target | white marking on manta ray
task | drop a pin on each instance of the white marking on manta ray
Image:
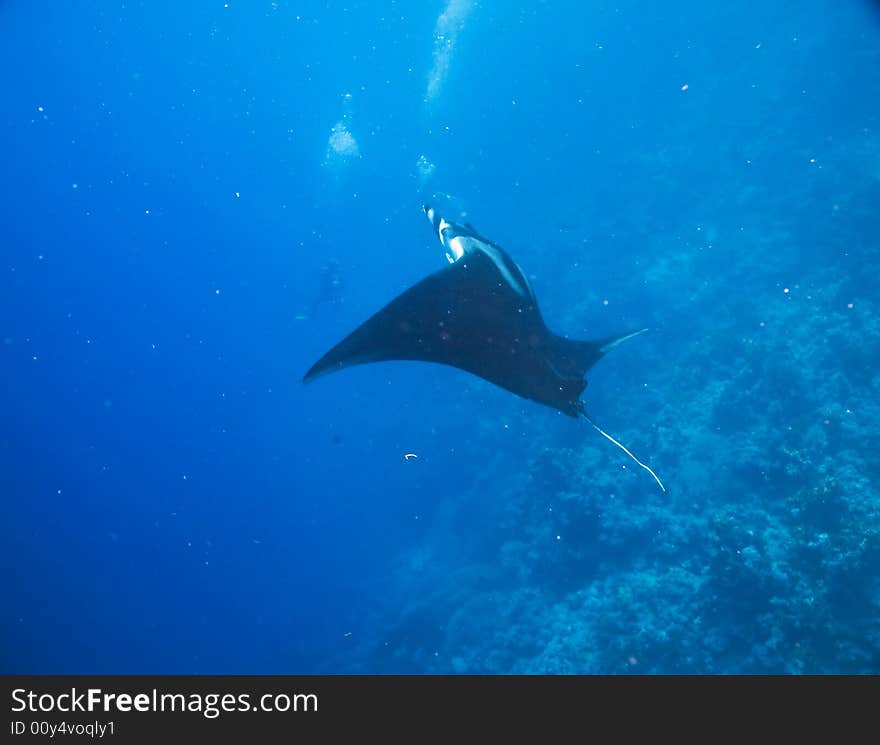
(498, 259)
(443, 225)
(462, 244)
(456, 245)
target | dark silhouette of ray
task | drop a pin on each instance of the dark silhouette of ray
(478, 314)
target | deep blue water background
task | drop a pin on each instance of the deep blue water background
(174, 500)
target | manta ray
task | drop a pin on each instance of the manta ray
(478, 314)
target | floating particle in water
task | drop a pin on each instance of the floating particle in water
(410, 456)
(685, 86)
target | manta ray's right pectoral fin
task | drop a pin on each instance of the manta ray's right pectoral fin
(579, 356)
(606, 345)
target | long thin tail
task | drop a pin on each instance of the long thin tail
(621, 446)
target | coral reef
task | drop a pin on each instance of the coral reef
(762, 407)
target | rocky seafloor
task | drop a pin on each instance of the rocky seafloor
(758, 399)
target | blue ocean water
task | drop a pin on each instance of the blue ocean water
(199, 199)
